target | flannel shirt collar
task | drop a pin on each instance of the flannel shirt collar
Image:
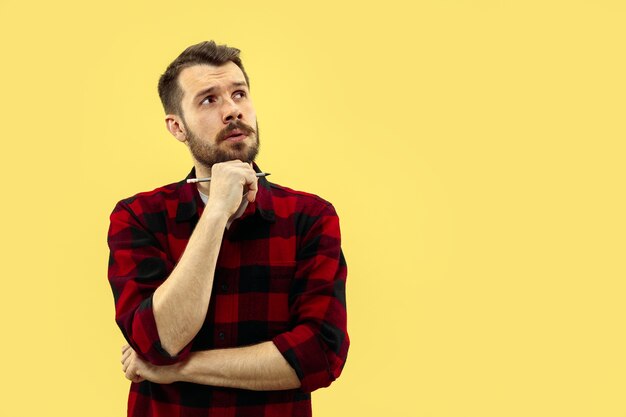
(190, 202)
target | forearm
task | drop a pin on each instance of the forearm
(258, 367)
(180, 304)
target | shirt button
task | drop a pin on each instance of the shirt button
(224, 287)
(221, 335)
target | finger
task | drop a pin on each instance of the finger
(131, 370)
(253, 187)
(125, 348)
(126, 363)
(126, 354)
(251, 196)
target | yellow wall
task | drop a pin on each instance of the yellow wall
(473, 149)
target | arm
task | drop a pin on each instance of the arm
(317, 346)
(309, 356)
(180, 304)
(259, 367)
(159, 316)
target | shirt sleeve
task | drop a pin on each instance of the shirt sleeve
(317, 346)
(137, 266)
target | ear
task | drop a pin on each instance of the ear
(176, 127)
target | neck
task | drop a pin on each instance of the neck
(203, 172)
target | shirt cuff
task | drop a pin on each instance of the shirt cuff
(307, 356)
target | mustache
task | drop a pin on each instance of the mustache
(239, 125)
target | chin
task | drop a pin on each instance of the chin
(243, 152)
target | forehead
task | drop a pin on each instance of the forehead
(202, 76)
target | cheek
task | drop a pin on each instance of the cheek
(252, 119)
(209, 125)
(248, 110)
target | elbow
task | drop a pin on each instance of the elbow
(141, 333)
(158, 355)
(170, 350)
(173, 347)
(154, 353)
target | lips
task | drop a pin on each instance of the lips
(235, 135)
(234, 132)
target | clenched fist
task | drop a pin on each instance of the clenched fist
(229, 181)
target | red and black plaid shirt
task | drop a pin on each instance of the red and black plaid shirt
(280, 276)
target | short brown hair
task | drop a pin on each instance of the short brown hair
(202, 53)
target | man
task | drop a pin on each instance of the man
(230, 293)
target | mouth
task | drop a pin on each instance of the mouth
(236, 136)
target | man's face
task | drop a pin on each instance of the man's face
(219, 119)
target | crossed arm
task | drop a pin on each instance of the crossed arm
(257, 367)
(309, 356)
(180, 305)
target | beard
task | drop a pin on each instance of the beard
(209, 154)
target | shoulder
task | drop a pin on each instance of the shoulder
(153, 201)
(287, 200)
(311, 217)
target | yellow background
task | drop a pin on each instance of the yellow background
(473, 149)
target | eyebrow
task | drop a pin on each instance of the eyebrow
(212, 89)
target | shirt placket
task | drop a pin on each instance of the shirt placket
(225, 335)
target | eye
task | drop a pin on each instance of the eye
(239, 94)
(208, 100)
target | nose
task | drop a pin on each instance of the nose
(230, 111)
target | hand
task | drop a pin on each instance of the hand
(138, 370)
(229, 180)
